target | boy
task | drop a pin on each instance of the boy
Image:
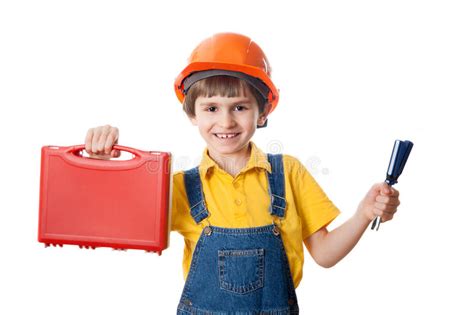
(244, 215)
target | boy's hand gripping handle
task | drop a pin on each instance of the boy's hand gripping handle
(401, 151)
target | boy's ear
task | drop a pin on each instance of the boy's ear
(262, 118)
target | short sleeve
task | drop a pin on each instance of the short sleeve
(179, 204)
(314, 207)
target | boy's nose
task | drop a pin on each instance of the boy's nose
(226, 120)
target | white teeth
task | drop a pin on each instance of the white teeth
(225, 135)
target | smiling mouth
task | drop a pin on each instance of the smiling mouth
(226, 135)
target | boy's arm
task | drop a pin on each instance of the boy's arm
(328, 248)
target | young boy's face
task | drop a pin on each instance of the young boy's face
(227, 123)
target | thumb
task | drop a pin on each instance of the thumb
(115, 153)
(386, 189)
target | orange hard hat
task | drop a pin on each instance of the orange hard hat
(232, 55)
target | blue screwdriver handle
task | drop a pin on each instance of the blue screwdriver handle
(400, 153)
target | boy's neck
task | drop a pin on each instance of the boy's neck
(232, 163)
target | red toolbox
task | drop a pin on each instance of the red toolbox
(123, 204)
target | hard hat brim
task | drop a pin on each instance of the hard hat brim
(254, 72)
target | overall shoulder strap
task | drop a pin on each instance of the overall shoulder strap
(276, 185)
(193, 186)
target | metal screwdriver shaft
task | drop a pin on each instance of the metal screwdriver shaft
(401, 151)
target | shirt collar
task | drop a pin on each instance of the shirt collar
(258, 159)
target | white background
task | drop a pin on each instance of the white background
(353, 76)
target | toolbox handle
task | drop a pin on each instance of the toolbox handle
(71, 154)
(77, 148)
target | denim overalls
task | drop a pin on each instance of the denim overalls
(239, 270)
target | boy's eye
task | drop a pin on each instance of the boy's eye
(214, 108)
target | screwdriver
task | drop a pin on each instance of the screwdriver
(401, 151)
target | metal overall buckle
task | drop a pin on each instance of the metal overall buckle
(207, 228)
(276, 227)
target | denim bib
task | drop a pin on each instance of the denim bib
(239, 270)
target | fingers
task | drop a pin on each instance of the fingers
(88, 141)
(100, 140)
(389, 200)
(386, 217)
(383, 208)
(386, 206)
(383, 201)
(109, 142)
(95, 139)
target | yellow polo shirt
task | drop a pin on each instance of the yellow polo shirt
(243, 201)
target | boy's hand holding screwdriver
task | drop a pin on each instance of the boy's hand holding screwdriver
(381, 200)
